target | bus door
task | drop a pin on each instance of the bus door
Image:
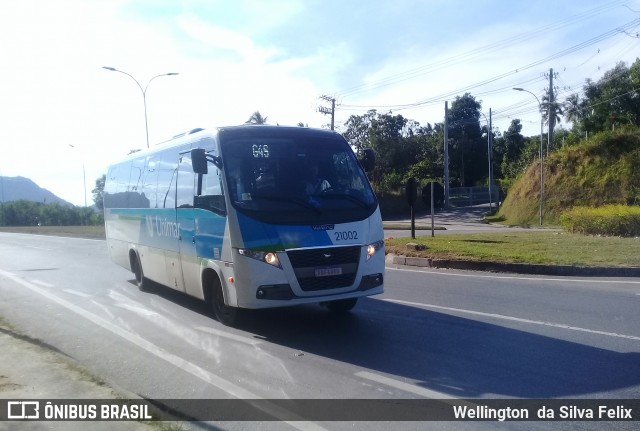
(189, 266)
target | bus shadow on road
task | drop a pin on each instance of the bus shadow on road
(456, 356)
(453, 355)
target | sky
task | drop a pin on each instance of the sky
(64, 117)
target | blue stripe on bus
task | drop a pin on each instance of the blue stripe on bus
(159, 228)
(259, 235)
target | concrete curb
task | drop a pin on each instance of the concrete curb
(518, 268)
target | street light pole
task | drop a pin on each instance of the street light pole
(144, 93)
(84, 183)
(541, 151)
(489, 133)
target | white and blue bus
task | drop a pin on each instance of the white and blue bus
(249, 217)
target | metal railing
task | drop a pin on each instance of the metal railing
(467, 196)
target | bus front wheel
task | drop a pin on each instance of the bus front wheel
(222, 312)
(341, 305)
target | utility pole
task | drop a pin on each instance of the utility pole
(489, 151)
(330, 111)
(446, 155)
(551, 111)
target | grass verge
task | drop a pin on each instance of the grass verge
(96, 232)
(554, 248)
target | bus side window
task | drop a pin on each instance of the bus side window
(186, 177)
(137, 198)
(122, 176)
(167, 169)
(212, 193)
(150, 181)
(110, 187)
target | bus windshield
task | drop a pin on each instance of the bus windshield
(296, 180)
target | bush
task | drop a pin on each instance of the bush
(609, 220)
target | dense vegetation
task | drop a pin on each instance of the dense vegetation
(612, 220)
(604, 170)
(29, 213)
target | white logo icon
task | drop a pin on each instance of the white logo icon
(23, 410)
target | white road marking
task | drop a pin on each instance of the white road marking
(77, 293)
(36, 247)
(138, 310)
(42, 283)
(234, 337)
(513, 319)
(403, 386)
(175, 360)
(516, 277)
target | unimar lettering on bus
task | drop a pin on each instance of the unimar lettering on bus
(161, 226)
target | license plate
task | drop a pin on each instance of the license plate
(325, 272)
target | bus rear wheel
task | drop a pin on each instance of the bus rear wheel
(225, 314)
(136, 268)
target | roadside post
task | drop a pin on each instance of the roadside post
(433, 233)
(412, 194)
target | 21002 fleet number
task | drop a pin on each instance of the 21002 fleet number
(346, 235)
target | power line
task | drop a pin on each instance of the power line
(483, 50)
(442, 97)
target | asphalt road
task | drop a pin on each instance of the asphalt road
(433, 334)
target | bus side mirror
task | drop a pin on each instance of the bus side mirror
(199, 161)
(368, 160)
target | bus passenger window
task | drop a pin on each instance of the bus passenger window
(167, 170)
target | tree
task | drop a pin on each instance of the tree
(358, 130)
(98, 192)
(614, 100)
(513, 143)
(429, 162)
(256, 118)
(556, 111)
(573, 109)
(404, 149)
(467, 145)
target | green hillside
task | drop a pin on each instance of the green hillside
(603, 170)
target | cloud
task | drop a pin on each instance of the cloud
(214, 39)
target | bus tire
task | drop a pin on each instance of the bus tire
(136, 267)
(341, 306)
(224, 313)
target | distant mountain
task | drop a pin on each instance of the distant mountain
(17, 188)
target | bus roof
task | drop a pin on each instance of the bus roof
(240, 131)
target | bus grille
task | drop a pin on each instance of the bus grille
(307, 264)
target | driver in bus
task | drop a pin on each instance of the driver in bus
(315, 184)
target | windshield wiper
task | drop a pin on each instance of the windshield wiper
(290, 199)
(351, 198)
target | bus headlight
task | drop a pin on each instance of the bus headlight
(373, 248)
(269, 257)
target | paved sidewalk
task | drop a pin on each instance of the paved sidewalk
(454, 220)
(30, 370)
